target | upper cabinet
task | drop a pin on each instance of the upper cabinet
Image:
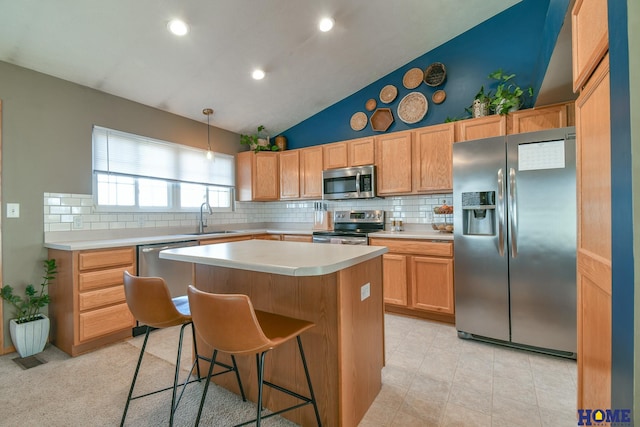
(393, 160)
(311, 172)
(433, 158)
(357, 152)
(290, 175)
(534, 119)
(482, 127)
(257, 176)
(590, 38)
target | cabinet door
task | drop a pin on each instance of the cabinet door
(335, 155)
(535, 119)
(393, 161)
(482, 127)
(265, 180)
(593, 167)
(433, 158)
(361, 152)
(290, 174)
(432, 284)
(590, 38)
(394, 279)
(311, 172)
(297, 238)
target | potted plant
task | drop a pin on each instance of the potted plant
(508, 96)
(258, 141)
(30, 328)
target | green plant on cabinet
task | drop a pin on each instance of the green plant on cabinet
(258, 141)
(508, 96)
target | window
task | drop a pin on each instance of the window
(134, 173)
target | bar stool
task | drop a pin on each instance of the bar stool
(240, 330)
(151, 304)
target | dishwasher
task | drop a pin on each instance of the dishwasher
(177, 274)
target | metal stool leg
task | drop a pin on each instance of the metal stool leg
(135, 376)
(206, 386)
(195, 350)
(235, 368)
(260, 361)
(306, 372)
(177, 375)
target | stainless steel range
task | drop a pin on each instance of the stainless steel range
(351, 227)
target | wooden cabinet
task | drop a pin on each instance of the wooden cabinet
(356, 152)
(418, 277)
(311, 172)
(593, 137)
(297, 238)
(257, 176)
(534, 119)
(88, 307)
(590, 38)
(266, 236)
(225, 239)
(482, 127)
(433, 158)
(290, 174)
(393, 160)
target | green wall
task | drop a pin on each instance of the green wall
(46, 147)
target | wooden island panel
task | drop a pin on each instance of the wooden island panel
(344, 351)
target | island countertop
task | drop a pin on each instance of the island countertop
(277, 257)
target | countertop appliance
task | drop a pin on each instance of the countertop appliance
(514, 203)
(351, 227)
(349, 183)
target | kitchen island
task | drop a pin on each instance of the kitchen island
(337, 287)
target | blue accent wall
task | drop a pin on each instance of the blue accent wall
(519, 40)
(622, 270)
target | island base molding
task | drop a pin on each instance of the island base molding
(344, 351)
(420, 314)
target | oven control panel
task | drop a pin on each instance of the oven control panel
(359, 217)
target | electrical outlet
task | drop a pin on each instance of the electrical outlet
(77, 222)
(13, 210)
(140, 221)
(365, 291)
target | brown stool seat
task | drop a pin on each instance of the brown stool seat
(151, 304)
(229, 323)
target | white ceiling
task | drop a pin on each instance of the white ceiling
(122, 47)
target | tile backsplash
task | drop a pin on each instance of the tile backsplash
(77, 212)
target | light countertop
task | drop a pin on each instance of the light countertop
(285, 258)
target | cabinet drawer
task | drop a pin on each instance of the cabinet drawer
(101, 298)
(418, 247)
(102, 259)
(297, 238)
(102, 278)
(104, 321)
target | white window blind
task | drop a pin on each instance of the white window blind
(127, 154)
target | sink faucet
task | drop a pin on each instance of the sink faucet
(201, 225)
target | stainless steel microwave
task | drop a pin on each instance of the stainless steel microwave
(349, 183)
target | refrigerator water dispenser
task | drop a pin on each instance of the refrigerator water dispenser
(478, 213)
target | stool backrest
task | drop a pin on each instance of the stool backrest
(227, 322)
(150, 302)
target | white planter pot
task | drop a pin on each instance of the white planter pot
(29, 338)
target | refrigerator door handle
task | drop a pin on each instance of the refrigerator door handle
(513, 213)
(500, 209)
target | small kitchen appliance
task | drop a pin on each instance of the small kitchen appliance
(351, 227)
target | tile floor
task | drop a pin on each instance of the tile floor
(433, 378)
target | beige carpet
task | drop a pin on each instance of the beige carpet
(91, 390)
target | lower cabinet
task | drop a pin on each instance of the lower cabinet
(418, 277)
(88, 308)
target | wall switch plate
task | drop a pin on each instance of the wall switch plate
(13, 210)
(77, 222)
(365, 291)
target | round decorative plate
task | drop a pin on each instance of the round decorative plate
(412, 108)
(435, 74)
(388, 93)
(413, 78)
(358, 121)
(439, 96)
(370, 104)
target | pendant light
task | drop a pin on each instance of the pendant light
(208, 112)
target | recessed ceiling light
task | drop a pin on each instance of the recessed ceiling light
(258, 74)
(178, 27)
(326, 24)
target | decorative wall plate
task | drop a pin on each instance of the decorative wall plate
(413, 78)
(370, 104)
(388, 93)
(412, 108)
(358, 121)
(439, 96)
(381, 119)
(435, 74)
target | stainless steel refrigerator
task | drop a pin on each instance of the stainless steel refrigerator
(515, 239)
